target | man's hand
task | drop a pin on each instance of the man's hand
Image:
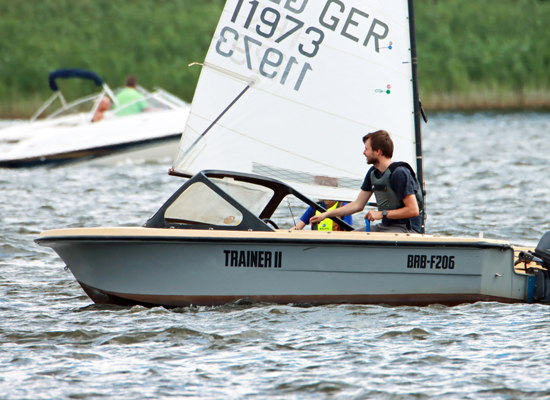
(373, 215)
(317, 218)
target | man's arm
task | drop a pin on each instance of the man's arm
(409, 211)
(351, 208)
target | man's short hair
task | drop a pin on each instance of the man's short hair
(380, 140)
(131, 81)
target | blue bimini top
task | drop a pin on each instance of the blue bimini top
(73, 73)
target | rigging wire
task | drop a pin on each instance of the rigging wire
(291, 213)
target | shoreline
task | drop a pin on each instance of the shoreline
(471, 101)
(487, 100)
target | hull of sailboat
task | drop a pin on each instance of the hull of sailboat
(153, 267)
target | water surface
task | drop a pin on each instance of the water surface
(484, 172)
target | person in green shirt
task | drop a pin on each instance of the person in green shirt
(130, 95)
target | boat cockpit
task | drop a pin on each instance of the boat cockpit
(223, 200)
(82, 110)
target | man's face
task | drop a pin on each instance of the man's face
(370, 154)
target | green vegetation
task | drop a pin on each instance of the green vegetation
(152, 39)
(472, 53)
(483, 53)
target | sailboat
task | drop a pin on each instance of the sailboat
(287, 91)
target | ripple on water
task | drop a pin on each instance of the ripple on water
(415, 333)
(56, 344)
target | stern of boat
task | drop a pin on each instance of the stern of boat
(536, 264)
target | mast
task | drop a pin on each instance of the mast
(416, 105)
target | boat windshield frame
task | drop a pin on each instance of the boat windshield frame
(68, 106)
(250, 221)
(164, 99)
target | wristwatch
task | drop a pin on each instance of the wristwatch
(384, 213)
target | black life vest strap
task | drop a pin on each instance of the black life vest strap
(396, 164)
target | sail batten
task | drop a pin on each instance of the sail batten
(324, 73)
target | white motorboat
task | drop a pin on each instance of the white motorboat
(66, 134)
(286, 93)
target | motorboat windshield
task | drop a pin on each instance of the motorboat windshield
(154, 101)
(58, 107)
(220, 200)
(84, 105)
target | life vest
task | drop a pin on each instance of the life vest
(327, 224)
(386, 198)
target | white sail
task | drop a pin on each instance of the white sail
(290, 87)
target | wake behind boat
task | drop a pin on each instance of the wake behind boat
(286, 93)
(67, 134)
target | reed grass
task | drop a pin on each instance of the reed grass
(487, 98)
(483, 53)
(472, 54)
(152, 39)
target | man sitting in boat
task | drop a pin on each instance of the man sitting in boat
(130, 94)
(394, 185)
(104, 105)
(326, 224)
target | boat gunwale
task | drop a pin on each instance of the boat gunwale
(364, 241)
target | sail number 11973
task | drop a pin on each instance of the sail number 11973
(272, 58)
(270, 30)
(430, 262)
